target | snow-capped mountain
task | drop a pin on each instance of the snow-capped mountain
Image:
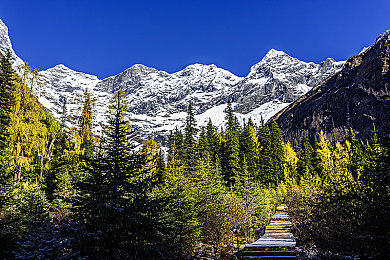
(5, 44)
(158, 100)
(60, 83)
(154, 92)
(282, 77)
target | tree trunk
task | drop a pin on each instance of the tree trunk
(20, 169)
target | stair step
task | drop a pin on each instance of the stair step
(269, 257)
(269, 253)
(270, 248)
(277, 243)
(278, 227)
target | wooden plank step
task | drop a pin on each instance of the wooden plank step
(268, 257)
(280, 223)
(271, 248)
(281, 214)
(269, 252)
(280, 218)
(278, 231)
(277, 227)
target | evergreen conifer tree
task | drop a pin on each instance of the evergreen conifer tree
(6, 184)
(306, 153)
(6, 88)
(266, 171)
(250, 148)
(123, 218)
(231, 164)
(356, 157)
(278, 152)
(85, 125)
(190, 132)
(213, 140)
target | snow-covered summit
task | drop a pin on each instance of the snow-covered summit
(158, 100)
(271, 54)
(279, 76)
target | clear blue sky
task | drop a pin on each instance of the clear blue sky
(106, 37)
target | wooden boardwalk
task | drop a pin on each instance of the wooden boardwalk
(277, 243)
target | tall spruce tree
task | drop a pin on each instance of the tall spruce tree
(306, 153)
(250, 148)
(190, 132)
(356, 156)
(231, 162)
(123, 218)
(176, 152)
(103, 198)
(6, 88)
(266, 171)
(213, 140)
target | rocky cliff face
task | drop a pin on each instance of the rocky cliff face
(358, 96)
(158, 100)
(5, 44)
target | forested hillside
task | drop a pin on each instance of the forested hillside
(69, 194)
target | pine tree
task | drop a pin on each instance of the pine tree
(211, 198)
(189, 140)
(6, 89)
(103, 195)
(231, 162)
(175, 152)
(249, 148)
(123, 216)
(161, 167)
(306, 154)
(376, 150)
(356, 156)
(213, 140)
(85, 125)
(266, 171)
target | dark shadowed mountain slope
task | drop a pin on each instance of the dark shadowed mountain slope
(357, 97)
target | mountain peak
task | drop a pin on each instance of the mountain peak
(5, 44)
(140, 68)
(274, 53)
(61, 67)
